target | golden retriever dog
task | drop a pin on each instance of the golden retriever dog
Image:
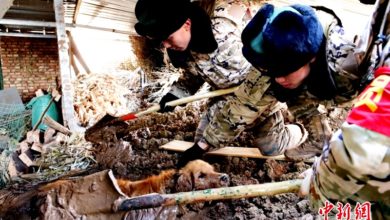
(196, 175)
(93, 196)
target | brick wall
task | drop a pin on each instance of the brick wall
(29, 64)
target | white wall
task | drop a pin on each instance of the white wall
(102, 51)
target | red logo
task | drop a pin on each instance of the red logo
(361, 211)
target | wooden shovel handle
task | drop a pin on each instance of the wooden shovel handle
(181, 101)
(235, 192)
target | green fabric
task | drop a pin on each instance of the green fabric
(39, 105)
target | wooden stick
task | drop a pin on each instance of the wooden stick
(47, 120)
(236, 192)
(189, 99)
(201, 96)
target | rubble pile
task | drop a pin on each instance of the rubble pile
(99, 94)
(49, 154)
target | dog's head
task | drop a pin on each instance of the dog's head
(199, 175)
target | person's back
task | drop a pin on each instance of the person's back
(354, 169)
(299, 57)
(211, 45)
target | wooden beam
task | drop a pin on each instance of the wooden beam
(4, 6)
(76, 11)
(76, 52)
(66, 78)
(73, 63)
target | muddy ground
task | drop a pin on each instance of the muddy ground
(131, 151)
(145, 135)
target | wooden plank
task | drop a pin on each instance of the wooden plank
(106, 15)
(106, 23)
(177, 145)
(181, 146)
(249, 152)
(112, 4)
(4, 6)
(96, 7)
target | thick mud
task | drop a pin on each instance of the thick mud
(133, 152)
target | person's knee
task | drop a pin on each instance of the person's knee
(290, 136)
(270, 146)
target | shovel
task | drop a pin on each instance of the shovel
(109, 120)
(154, 200)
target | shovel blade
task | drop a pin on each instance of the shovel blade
(102, 123)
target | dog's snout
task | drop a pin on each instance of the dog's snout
(224, 178)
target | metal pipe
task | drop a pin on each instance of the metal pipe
(53, 24)
(26, 35)
(27, 23)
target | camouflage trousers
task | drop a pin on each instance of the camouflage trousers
(271, 133)
(355, 168)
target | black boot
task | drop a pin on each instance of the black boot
(192, 153)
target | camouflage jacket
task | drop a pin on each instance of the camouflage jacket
(225, 67)
(354, 169)
(359, 155)
(254, 100)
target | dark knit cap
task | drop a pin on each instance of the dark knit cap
(282, 40)
(160, 18)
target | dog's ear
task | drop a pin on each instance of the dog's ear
(184, 182)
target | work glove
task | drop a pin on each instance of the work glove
(167, 98)
(192, 153)
(307, 176)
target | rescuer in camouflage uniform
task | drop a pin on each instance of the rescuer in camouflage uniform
(355, 168)
(301, 55)
(207, 45)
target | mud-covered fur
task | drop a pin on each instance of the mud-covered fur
(196, 175)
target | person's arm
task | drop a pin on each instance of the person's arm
(247, 104)
(358, 155)
(226, 66)
(223, 68)
(352, 161)
(241, 110)
(343, 62)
